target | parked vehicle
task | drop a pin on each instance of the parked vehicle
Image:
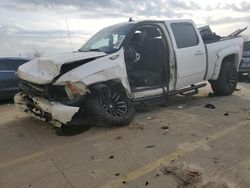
(244, 68)
(8, 79)
(139, 61)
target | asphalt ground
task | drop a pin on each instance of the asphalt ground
(187, 143)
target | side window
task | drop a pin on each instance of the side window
(6, 65)
(17, 63)
(184, 34)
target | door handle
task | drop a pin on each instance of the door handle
(199, 53)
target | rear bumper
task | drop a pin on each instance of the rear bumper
(244, 65)
(45, 110)
(244, 70)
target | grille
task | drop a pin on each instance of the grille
(48, 91)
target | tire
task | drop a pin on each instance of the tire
(109, 107)
(227, 80)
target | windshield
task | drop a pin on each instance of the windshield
(107, 40)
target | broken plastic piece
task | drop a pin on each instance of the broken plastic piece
(210, 106)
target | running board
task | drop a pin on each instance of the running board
(161, 96)
(192, 90)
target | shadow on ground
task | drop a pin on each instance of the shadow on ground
(72, 130)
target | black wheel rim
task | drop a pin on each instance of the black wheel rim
(231, 79)
(113, 103)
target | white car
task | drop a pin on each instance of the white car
(138, 61)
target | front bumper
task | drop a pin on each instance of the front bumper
(45, 110)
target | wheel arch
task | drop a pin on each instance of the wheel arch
(230, 57)
(110, 83)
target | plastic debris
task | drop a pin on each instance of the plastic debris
(210, 106)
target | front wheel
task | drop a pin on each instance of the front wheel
(227, 80)
(110, 107)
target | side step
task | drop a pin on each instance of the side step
(161, 98)
(192, 90)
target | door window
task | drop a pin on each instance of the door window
(11, 65)
(184, 34)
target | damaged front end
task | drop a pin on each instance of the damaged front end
(58, 105)
(60, 96)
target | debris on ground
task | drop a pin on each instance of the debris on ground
(210, 106)
(180, 106)
(237, 89)
(118, 138)
(185, 175)
(216, 160)
(226, 114)
(117, 174)
(150, 146)
(164, 127)
(93, 157)
(111, 157)
(146, 183)
(150, 118)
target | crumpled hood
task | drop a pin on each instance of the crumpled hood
(44, 70)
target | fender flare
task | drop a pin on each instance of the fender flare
(102, 85)
(222, 54)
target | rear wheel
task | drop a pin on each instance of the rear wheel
(227, 80)
(110, 107)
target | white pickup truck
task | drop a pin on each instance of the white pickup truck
(138, 61)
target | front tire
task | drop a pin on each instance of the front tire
(227, 80)
(109, 107)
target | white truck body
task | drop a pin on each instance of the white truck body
(186, 65)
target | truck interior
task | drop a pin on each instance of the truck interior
(148, 67)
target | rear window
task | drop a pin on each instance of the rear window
(247, 46)
(6, 65)
(184, 34)
(17, 63)
(11, 64)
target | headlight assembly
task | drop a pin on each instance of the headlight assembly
(75, 89)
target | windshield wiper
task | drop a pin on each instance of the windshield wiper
(82, 50)
(90, 50)
(95, 50)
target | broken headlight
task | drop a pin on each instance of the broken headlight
(75, 89)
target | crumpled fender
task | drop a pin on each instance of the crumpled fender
(43, 70)
(111, 67)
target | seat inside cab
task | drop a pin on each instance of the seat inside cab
(149, 68)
